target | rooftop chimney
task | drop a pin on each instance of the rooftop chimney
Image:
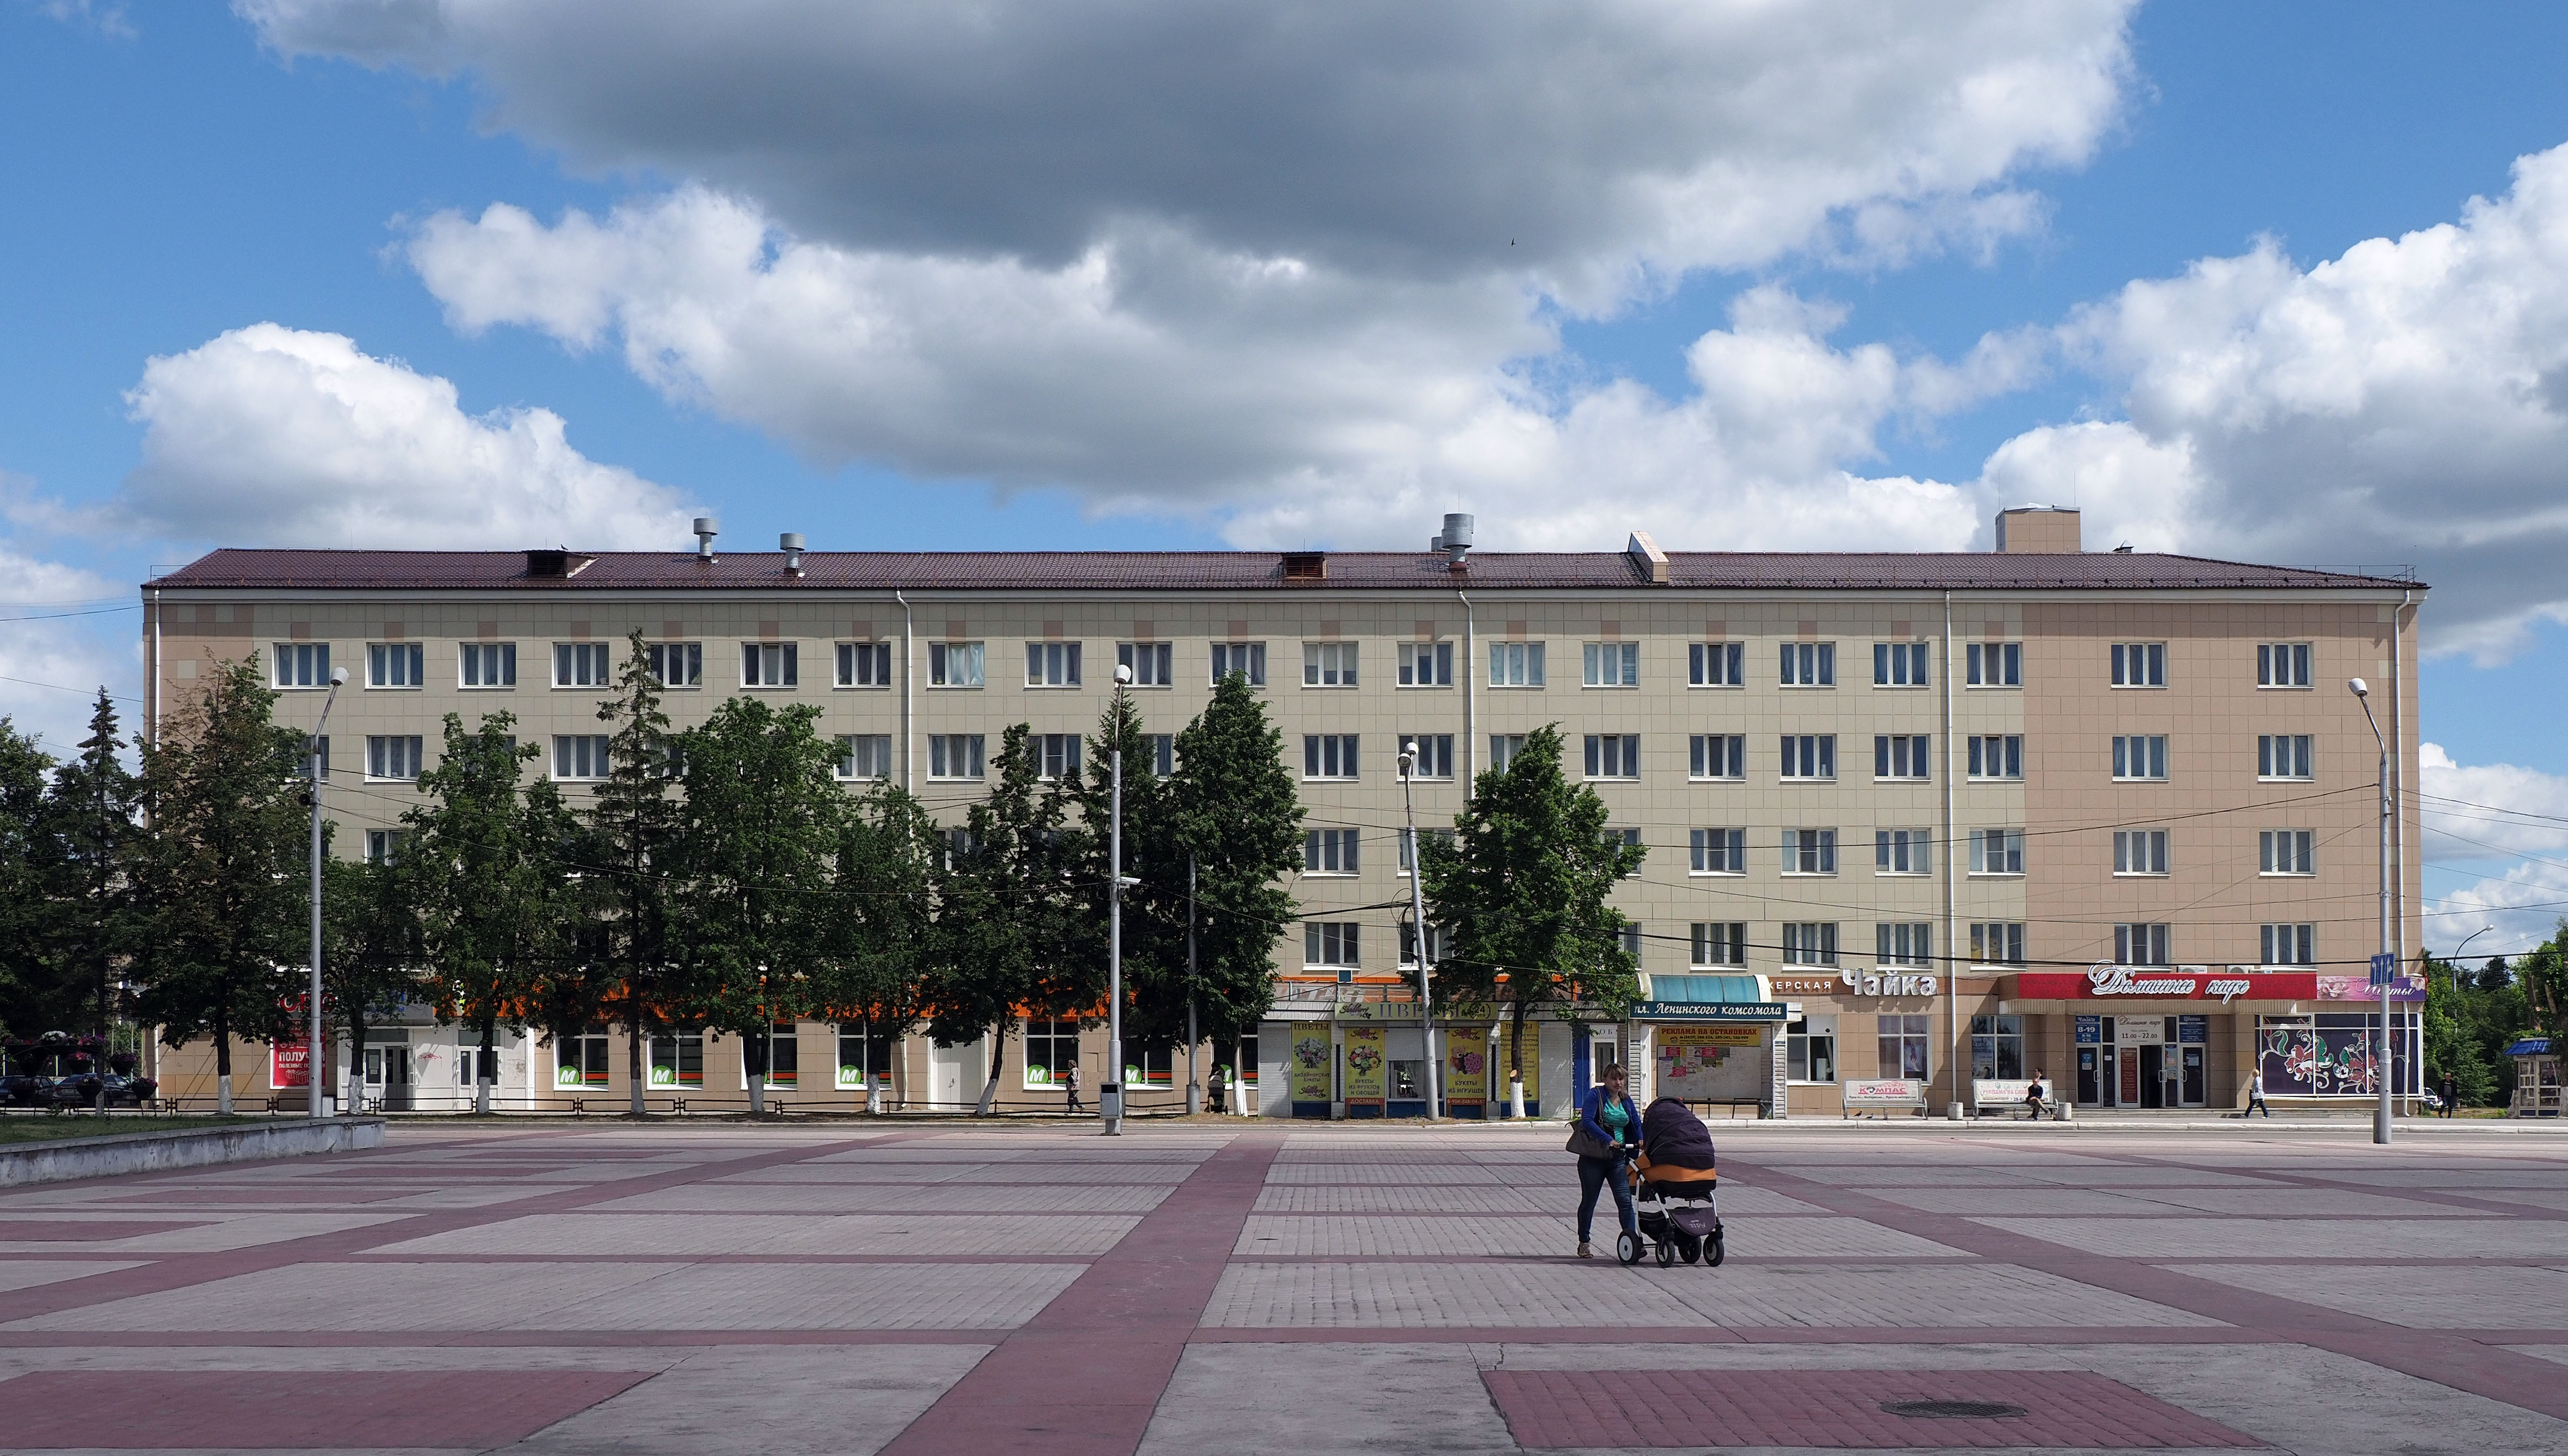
(1646, 556)
(706, 529)
(1455, 541)
(2046, 528)
(557, 564)
(790, 544)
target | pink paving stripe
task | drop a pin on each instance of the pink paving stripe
(1840, 1409)
(1085, 1375)
(219, 1410)
(232, 1195)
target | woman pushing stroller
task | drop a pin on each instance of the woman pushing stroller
(1607, 1134)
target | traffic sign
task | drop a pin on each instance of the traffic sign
(2385, 970)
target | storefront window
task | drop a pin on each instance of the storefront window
(678, 1060)
(1996, 1048)
(863, 1048)
(1810, 1050)
(1052, 1049)
(581, 1060)
(2334, 1055)
(1903, 1048)
(1152, 1069)
(1408, 1080)
(1243, 1072)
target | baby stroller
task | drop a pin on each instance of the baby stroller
(1675, 1190)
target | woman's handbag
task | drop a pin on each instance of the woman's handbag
(1587, 1144)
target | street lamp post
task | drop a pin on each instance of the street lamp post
(1418, 920)
(312, 1047)
(1109, 1095)
(2380, 1116)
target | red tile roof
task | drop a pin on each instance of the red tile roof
(1242, 571)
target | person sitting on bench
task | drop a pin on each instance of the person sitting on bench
(2036, 1097)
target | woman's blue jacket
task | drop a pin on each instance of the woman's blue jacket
(1591, 1115)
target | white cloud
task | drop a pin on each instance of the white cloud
(276, 436)
(2491, 809)
(51, 665)
(1587, 147)
(2404, 403)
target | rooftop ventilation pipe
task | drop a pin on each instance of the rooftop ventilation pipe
(790, 544)
(706, 529)
(1455, 542)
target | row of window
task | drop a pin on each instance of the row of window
(1324, 664)
(677, 1058)
(1711, 945)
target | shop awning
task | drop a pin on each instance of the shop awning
(2530, 1047)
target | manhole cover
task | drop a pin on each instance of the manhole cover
(1952, 1409)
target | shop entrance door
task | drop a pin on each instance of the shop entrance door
(2091, 1076)
(2196, 1086)
(2152, 1077)
(388, 1078)
(2126, 1090)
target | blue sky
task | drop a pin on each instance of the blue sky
(1059, 293)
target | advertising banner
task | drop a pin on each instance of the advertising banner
(1367, 1067)
(1467, 1066)
(1885, 1093)
(2167, 983)
(1712, 1063)
(1313, 1063)
(289, 1064)
(2305, 1061)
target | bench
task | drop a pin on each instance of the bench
(1733, 1104)
(1884, 1093)
(2003, 1095)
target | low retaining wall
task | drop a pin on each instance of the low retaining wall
(147, 1152)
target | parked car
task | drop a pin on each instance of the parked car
(26, 1089)
(83, 1091)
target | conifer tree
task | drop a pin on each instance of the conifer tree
(882, 922)
(479, 866)
(631, 833)
(1232, 809)
(372, 958)
(89, 837)
(1520, 891)
(223, 882)
(28, 1002)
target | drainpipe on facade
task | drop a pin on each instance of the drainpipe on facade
(1952, 949)
(908, 685)
(1471, 700)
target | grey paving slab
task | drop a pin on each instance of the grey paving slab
(729, 1198)
(1317, 1295)
(853, 1173)
(818, 1296)
(232, 1231)
(2465, 1179)
(1381, 1399)
(764, 1400)
(1912, 1297)
(1458, 1175)
(27, 1274)
(2549, 1198)
(2181, 1238)
(2021, 1201)
(2518, 1296)
(1372, 1235)
(1032, 1178)
(647, 1234)
(357, 1297)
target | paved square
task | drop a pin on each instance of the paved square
(1238, 1287)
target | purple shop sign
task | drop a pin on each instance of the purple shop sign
(2360, 988)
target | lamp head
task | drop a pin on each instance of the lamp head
(1408, 759)
(2358, 687)
(338, 676)
(1122, 675)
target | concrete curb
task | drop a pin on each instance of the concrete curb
(145, 1152)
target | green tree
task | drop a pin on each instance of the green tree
(2543, 977)
(29, 997)
(631, 832)
(758, 830)
(1153, 939)
(1232, 809)
(2451, 1048)
(89, 837)
(1522, 892)
(1013, 930)
(371, 951)
(477, 865)
(882, 922)
(222, 881)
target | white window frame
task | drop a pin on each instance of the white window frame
(1163, 753)
(1996, 758)
(1331, 945)
(1330, 664)
(1903, 852)
(396, 666)
(1809, 942)
(383, 846)
(2143, 942)
(300, 666)
(1503, 748)
(1894, 752)
(2286, 751)
(1444, 836)
(1613, 758)
(1900, 664)
(2139, 664)
(1803, 1038)
(2284, 665)
(1610, 663)
(1997, 943)
(1717, 664)
(1153, 663)
(2286, 852)
(1245, 658)
(865, 666)
(1904, 942)
(1054, 665)
(1434, 753)
(569, 749)
(1810, 758)
(1426, 665)
(2287, 942)
(1332, 853)
(1517, 665)
(958, 666)
(863, 757)
(1713, 944)
(1056, 757)
(572, 659)
(492, 661)
(393, 758)
(1727, 752)
(957, 757)
(2140, 852)
(1331, 757)
(1997, 852)
(679, 667)
(1718, 851)
(1809, 852)
(1809, 665)
(771, 665)
(1993, 665)
(2140, 759)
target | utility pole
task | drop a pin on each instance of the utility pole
(312, 1048)
(1417, 912)
(1194, 1084)
(2381, 1116)
(1109, 1095)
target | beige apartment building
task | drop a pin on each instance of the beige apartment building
(1914, 821)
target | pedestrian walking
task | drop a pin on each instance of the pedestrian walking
(1071, 1082)
(2451, 1093)
(1220, 1088)
(1607, 1133)
(2256, 1095)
